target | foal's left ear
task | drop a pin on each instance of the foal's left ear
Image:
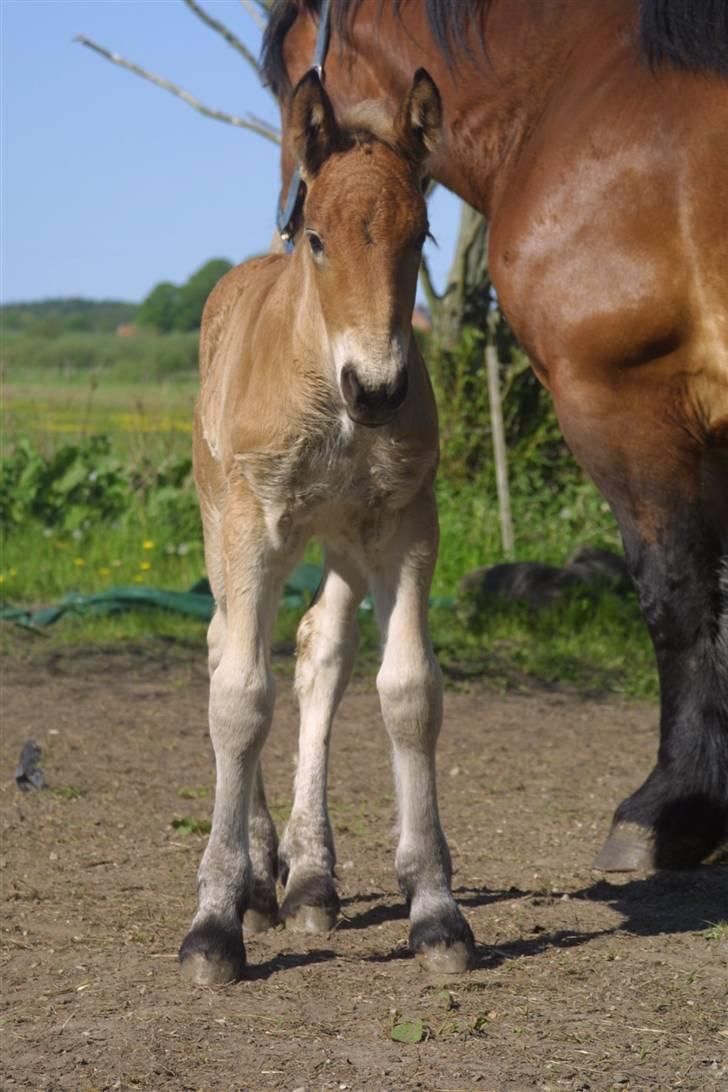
(312, 125)
(419, 122)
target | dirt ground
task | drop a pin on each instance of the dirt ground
(583, 982)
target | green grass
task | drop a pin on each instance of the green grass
(586, 644)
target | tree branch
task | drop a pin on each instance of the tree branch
(254, 14)
(224, 32)
(428, 287)
(253, 124)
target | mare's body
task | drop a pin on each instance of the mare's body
(601, 161)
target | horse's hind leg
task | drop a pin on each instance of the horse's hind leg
(262, 909)
(668, 487)
(327, 642)
(410, 692)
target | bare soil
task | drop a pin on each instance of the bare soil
(583, 983)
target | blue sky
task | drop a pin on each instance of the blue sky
(110, 185)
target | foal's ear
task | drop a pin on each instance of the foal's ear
(419, 122)
(313, 129)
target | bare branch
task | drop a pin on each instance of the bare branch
(428, 287)
(255, 125)
(225, 32)
(254, 14)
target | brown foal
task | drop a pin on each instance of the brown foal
(316, 417)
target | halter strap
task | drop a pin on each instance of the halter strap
(284, 216)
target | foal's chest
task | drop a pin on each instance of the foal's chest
(344, 477)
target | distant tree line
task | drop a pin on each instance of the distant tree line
(178, 307)
(50, 318)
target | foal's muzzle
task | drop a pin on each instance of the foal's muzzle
(372, 406)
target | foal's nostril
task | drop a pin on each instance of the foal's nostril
(398, 392)
(372, 404)
(351, 388)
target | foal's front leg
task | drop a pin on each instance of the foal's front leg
(262, 909)
(241, 708)
(410, 691)
(327, 642)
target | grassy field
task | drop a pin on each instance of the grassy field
(153, 538)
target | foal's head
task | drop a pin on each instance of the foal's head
(364, 224)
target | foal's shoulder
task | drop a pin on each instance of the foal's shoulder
(255, 270)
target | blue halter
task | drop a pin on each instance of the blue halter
(284, 216)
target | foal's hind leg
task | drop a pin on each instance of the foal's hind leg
(327, 642)
(668, 486)
(410, 691)
(262, 910)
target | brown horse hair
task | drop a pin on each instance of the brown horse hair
(686, 34)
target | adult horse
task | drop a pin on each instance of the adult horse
(593, 135)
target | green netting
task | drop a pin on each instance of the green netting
(195, 603)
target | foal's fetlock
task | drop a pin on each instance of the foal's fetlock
(213, 952)
(311, 904)
(440, 937)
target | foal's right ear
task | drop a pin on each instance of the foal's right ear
(312, 125)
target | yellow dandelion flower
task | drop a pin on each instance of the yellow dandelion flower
(61, 545)
(145, 565)
(13, 572)
(148, 544)
(138, 579)
(104, 572)
(2, 579)
(79, 561)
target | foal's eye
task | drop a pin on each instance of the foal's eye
(314, 241)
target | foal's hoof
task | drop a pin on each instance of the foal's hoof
(311, 905)
(447, 958)
(444, 945)
(259, 921)
(629, 848)
(311, 919)
(212, 955)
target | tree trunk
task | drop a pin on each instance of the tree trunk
(466, 299)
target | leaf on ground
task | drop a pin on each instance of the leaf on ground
(187, 824)
(408, 1031)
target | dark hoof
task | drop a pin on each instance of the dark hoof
(212, 954)
(445, 944)
(629, 848)
(262, 912)
(311, 905)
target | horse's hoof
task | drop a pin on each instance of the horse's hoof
(447, 958)
(311, 904)
(443, 943)
(629, 848)
(212, 955)
(311, 919)
(258, 921)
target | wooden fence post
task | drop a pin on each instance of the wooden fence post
(499, 450)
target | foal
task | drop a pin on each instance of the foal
(316, 416)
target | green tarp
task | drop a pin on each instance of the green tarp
(195, 603)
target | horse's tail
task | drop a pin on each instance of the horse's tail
(688, 34)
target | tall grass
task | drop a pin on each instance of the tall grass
(140, 391)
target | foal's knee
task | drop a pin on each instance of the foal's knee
(241, 704)
(410, 692)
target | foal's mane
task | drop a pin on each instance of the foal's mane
(688, 34)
